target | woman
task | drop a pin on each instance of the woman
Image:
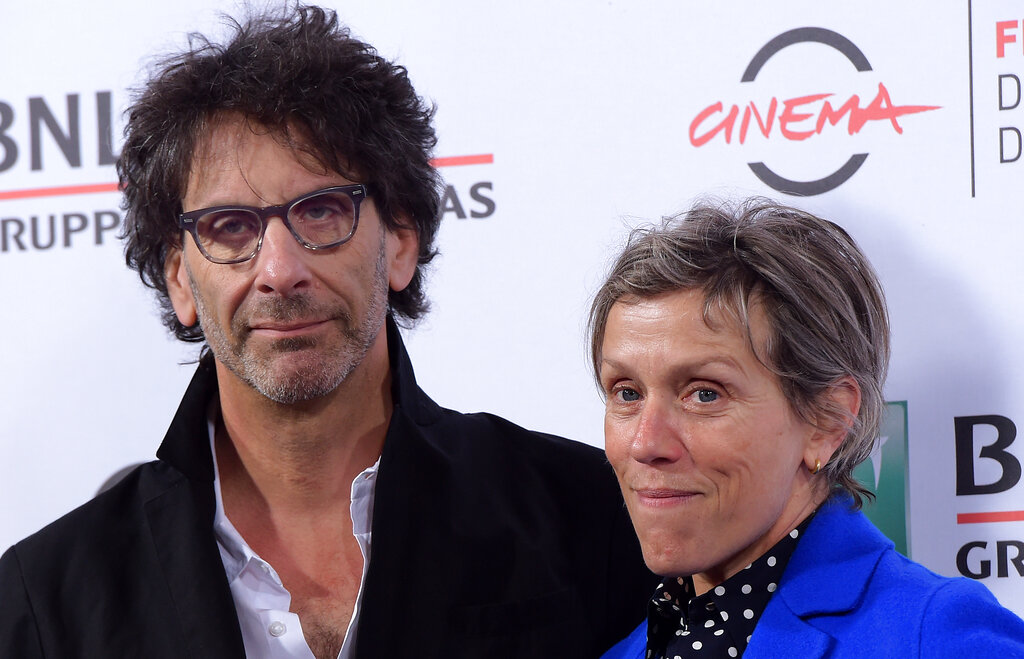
(742, 356)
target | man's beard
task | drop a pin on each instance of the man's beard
(313, 375)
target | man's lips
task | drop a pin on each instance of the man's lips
(279, 328)
(663, 496)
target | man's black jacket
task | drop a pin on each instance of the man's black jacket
(488, 541)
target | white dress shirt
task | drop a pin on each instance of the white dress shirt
(269, 629)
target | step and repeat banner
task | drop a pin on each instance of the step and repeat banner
(561, 126)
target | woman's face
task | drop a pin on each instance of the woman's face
(712, 462)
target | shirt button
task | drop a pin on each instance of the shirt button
(277, 628)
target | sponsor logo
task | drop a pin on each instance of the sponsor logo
(52, 140)
(996, 41)
(803, 117)
(885, 474)
(987, 465)
(474, 199)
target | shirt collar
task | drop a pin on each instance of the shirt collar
(724, 616)
(235, 551)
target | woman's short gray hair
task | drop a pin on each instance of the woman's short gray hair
(821, 297)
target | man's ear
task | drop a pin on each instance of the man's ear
(843, 397)
(179, 288)
(403, 252)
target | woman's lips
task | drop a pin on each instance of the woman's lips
(659, 496)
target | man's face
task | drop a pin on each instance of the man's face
(292, 323)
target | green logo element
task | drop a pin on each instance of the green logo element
(885, 474)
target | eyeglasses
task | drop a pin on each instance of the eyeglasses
(318, 220)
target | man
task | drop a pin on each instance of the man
(281, 202)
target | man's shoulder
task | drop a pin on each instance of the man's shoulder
(483, 451)
(490, 437)
(94, 526)
(122, 575)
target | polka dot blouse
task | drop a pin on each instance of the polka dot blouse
(720, 622)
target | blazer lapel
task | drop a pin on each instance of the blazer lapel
(827, 575)
(781, 633)
(191, 565)
(180, 517)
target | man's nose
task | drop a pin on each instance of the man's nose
(281, 262)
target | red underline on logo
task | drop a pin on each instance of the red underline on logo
(64, 190)
(452, 161)
(981, 518)
(58, 191)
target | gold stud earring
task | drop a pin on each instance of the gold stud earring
(817, 467)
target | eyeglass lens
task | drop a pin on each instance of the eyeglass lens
(317, 221)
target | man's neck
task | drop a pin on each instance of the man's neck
(301, 459)
(286, 474)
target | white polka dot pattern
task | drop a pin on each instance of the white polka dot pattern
(721, 621)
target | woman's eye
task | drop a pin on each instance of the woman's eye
(707, 395)
(628, 395)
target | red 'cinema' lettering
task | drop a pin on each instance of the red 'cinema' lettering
(765, 126)
(726, 125)
(790, 116)
(1003, 36)
(880, 108)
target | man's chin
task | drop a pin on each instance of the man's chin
(294, 344)
(294, 388)
(291, 373)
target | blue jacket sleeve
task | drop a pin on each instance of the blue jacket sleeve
(963, 619)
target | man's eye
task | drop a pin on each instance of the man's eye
(323, 208)
(228, 225)
(321, 212)
(707, 395)
(232, 226)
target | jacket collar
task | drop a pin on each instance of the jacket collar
(833, 563)
(186, 445)
(405, 393)
(828, 574)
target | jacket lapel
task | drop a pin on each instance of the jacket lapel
(410, 527)
(180, 518)
(191, 565)
(827, 575)
(781, 633)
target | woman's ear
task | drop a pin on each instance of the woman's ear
(842, 398)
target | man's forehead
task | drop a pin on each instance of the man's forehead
(233, 150)
(225, 140)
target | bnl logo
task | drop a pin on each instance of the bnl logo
(1000, 472)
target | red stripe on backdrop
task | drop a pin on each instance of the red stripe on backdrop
(59, 191)
(481, 159)
(451, 161)
(980, 518)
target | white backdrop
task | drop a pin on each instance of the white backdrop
(586, 111)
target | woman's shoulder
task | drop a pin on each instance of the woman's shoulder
(943, 616)
(955, 616)
(846, 580)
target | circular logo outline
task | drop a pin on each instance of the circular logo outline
(860, 62)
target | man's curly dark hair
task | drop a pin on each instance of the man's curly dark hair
(301, 75)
